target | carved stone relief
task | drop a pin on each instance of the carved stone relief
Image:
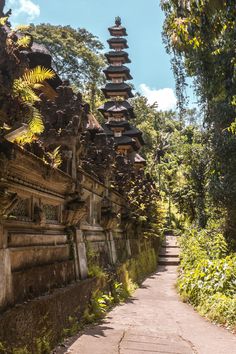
(4, 164)
(50, 212)
(39, 215)
(109, 218)
(8, 202)
(75, 210)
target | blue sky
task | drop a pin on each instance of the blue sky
(143, 19)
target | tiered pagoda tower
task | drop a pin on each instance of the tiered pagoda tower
(117, 110)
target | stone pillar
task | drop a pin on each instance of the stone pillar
(5, 271)
(81, 253)
(128, 248)
(112, 247)
(73, 163)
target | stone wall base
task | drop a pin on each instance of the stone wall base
(43, 320)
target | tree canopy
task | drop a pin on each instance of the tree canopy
(76, 55)
(200, 36)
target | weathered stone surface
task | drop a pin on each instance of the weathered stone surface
(25, 286)
(49, 314)
(5, 278)
(24, 257)
(28, 239)
(82, 254)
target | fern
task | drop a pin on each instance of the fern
(36, 122)
(3, 21)
(54, 158)
(24, 90)
(24, 41)
(24, 87)
(38, 75)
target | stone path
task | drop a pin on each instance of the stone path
(154, 321)
(169, 252)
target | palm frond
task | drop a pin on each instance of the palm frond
(3, 20)
(54, 158)
(24, 41)
(38, 75)
(37, 86)
(35, 121)
(23, 90)
(27, 138)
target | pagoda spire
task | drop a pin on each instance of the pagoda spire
(118, 21)
(117, 110)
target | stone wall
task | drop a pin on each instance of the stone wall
(44, 319)
(43, 244)
(39, 249)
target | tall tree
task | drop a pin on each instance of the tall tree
(76, 55)
(200, 35)
(177, 159)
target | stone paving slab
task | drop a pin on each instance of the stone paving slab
(151, 344)
(154, 320)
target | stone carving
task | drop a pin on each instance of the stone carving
(2, 5)
(35, 147)
(50, 212)
(75, 210)
(39, 215)
(97, 154)
(21, 209)
(65, 119)
(123, 170)
(2, 13)
(67, 156)
(7, 153)
(128, 220)
(8, 201)
(67, 115)
(4, 163)
(109, 219)
(13, 62)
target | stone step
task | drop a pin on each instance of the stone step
(169, 256)
(170, 243)
(169, 250)
(175, 255)
(171, 240)
(169, 246)
(168, 261)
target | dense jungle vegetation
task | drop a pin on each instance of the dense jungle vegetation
(200, 37)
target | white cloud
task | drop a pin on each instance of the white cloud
(165, 98)
(27, 7)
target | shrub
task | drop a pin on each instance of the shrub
(207, 277)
